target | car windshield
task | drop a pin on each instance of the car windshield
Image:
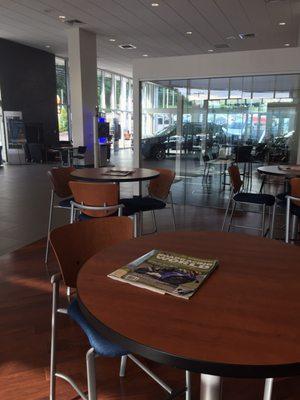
(163, 132)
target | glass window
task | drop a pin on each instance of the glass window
(219, 88)
(62, 98)
(107, 88)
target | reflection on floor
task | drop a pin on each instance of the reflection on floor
(25, 295)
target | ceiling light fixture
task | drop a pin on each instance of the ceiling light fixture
(154, 4)
(210, 50)
(112, 40)
(287, 44)
(281, 23)
(189, 33)
(47, 46)
(62, 17)
(145, 55)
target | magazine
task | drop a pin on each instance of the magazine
(166, 272)
(118, 172)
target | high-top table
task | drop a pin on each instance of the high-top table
(243, 322)
(274, 170)
(102, 175)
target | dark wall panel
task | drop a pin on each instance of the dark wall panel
(28, 84)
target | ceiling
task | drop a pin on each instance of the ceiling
(155, 31)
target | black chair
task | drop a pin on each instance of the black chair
(239, 196)
(36, 152)
(243, 155)
(80, 153)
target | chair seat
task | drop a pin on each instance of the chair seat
(102, 346)
(139, 204)
(255, 198)
(66, 202)
(281, 202)
(85, 217)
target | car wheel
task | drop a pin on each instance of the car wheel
(158, 153)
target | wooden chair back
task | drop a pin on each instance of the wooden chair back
(97, 195)
(235, 178)
(60, 178)
(295, 190)
(74, 244)
(160, 187)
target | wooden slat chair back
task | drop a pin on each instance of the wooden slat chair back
(74, 244)
(60, 178)
(160, 186)
(235, 178)
(97, 195)
(295, 190)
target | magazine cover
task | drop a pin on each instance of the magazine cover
(166, 272)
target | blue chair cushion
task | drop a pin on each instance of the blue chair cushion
(255, 198)
(138, 203)
(102, 346)
(66, 202)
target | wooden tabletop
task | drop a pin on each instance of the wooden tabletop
(274, 170)
(100, 175)
(243, 322)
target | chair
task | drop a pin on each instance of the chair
(158, 194)
(293, 208)
(243, 154)
(238, 196)
(73, 245)
(95, 200)
(80, 154)
(59, 178)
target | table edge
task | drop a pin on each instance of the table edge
(198, 366)
(113, 178)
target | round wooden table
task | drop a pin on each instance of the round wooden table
(274, 170)
(102, 175)
(243, 322)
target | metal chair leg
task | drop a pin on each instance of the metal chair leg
(294, 227)
(49, 225)
(135, 225)
(226, 214)
(91, 376)
(268, 389)
(123, 366)
(188, 392)
(263, 221)
(173, 211)
(231, 215)
(287, 220)
(55, 293)
(154, 220)
(273, 221)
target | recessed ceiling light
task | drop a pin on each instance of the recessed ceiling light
(62, 17)
(145, 55)
(210, 50)
(154, 4)
(281, 23)
(287, 44)
(47, 46)
(112, 40)
(189, 33)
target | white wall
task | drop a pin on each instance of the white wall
(240, 63)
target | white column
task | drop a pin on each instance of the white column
(82, 52)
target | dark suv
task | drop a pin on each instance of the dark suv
(158, 146)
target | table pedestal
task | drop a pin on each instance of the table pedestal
(210, 387)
